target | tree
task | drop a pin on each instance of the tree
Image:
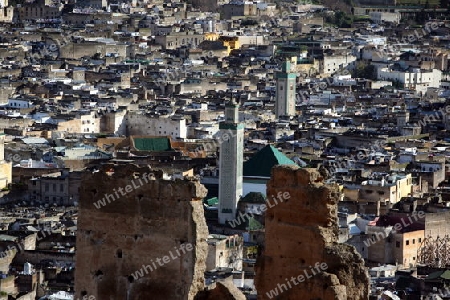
(364, 70)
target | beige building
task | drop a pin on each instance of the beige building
(8, 14)
(113, 122)
(103, 47)
(5, 166)
(228, 11)
(389, 189)
(175, 40)
(384, 245)
(34, 11)
(224, 252)
(405, 247)
(52, 189)
(82, 123)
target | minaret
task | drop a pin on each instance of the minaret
(286, 89)
(230, 162)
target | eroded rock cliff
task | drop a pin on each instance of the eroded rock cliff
(302, 259)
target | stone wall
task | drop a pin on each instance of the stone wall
(436, 224)
(301, 234)
(155, 218)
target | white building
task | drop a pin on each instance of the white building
(344, 80)
(333, 63)
(139, 124)
(371, 40)
(416, 79)
(19, 103)
(379, 17)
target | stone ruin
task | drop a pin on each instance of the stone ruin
(153, 216)
(301, 233)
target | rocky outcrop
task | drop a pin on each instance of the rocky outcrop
(224, 291)
(146, 240)
(302, 259)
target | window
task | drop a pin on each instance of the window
(420, 240)
(47, 187)
(61, 187)
(407, 242)
(414, 241)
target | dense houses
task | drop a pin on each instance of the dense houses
(224, 91)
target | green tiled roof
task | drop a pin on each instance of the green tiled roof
(253, 224)
(212, 201)
(262, 162)
(152, 144)
(249, 223)
(446, 275)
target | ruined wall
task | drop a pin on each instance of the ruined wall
(301, 232)
(117, 239)
(223, 290)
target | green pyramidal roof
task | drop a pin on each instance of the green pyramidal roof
(152, 144)
(446, 275)
(262, 162)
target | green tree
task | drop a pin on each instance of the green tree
(364, 70)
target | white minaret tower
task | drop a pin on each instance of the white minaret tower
(230, 162)
(286, 89)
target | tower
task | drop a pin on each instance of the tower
(230, 162)
(286, 89)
